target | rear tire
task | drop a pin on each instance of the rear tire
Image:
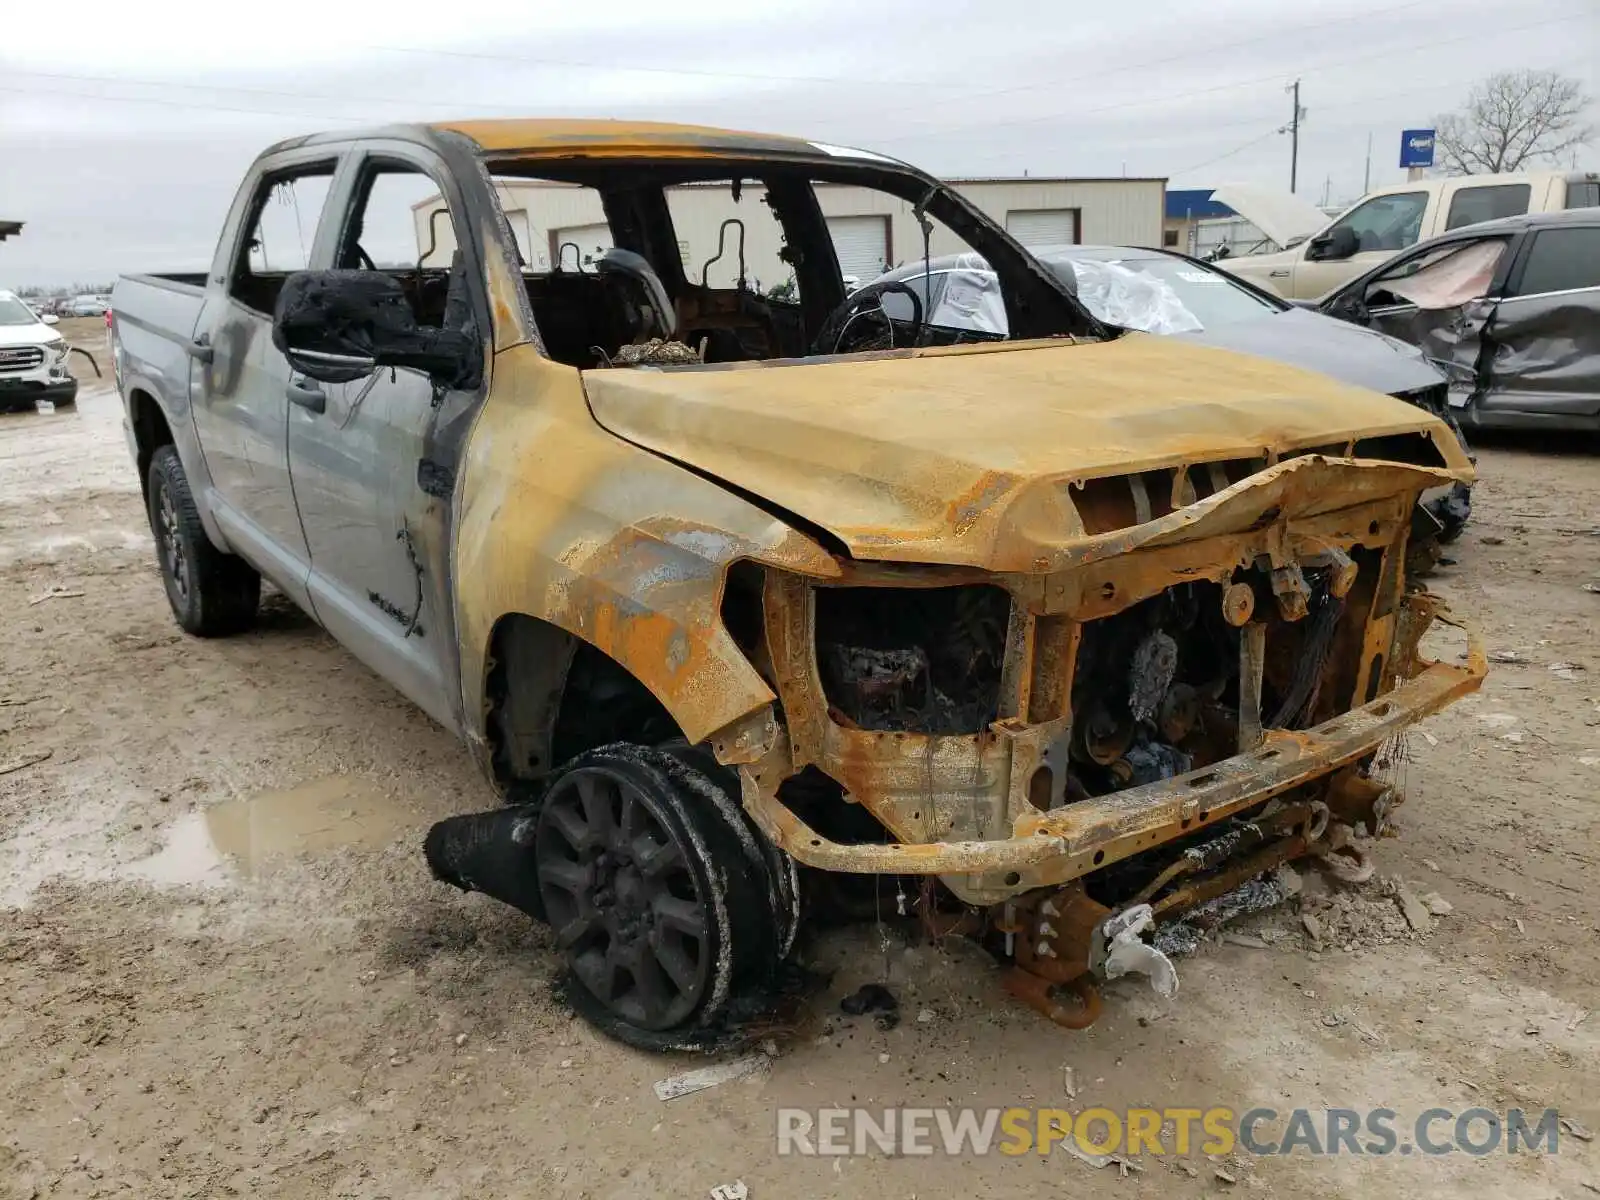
(659, 894)
(212, 594)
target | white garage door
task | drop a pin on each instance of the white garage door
(591, 240)
(861, 244)
(1035, 227)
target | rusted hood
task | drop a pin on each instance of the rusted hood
(945, 455)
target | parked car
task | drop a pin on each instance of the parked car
(1160, 291)
(1385, 221)
(33, 358)
(712, 592)
(88, 306)
(1511, 308)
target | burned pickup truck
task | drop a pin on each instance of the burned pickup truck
(723, 584)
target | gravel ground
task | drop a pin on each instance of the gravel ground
(224, 969)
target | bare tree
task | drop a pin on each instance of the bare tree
(1512, 118)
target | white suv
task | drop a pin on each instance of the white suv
(33, 358)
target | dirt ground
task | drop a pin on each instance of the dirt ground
(224, 969)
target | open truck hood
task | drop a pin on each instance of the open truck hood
(1282, 216)
(967, 455)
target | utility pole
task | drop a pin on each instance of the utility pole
(1294, 135)
(1366, 183)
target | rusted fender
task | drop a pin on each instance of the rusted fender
(562, 521)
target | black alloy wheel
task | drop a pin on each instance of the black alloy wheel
(628, 898)
(672, 912)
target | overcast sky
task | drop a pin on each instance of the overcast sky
(125, 126)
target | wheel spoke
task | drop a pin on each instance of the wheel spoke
(596, 794)
(683, 915)
(597, 968)
(674, 960)
(655, 990)
(570, 877)
(633, 815)
(575, 930)
(569, 824)
(655, 858)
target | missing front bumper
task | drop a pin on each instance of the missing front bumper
(1049, 848)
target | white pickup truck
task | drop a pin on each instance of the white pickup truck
(1323, 255)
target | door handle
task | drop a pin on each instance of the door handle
(201, 349)
(309, 397)
(1281, 273)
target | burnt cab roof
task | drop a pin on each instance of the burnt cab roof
(597, 138)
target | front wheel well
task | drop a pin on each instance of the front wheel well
(550, 696)
(150, 433)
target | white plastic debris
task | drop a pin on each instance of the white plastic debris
(1126, 953)
(731, 1191)
(708, 1077)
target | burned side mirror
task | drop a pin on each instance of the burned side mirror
(337, 326)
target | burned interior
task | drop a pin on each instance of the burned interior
(592, 306)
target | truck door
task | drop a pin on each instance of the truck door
(241, 408)
(376, 524)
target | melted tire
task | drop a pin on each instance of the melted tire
(212, 594)
(733, 884)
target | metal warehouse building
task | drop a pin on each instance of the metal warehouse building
(872, 231)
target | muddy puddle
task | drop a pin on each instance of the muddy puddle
(244, 838)
(252, 836)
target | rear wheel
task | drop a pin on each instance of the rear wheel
(212, 594)
(659, 896)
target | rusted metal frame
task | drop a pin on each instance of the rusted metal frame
(1252, 662)
(1196, 860)
(1050, 999)
(1224, 880)
(1055, 847)
(1105, 587)
(920, 787)
(1378, 641)
(1055, 660)
(1016, 668)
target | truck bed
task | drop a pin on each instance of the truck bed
(155, 318)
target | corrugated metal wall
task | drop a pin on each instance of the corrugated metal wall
(1107, 211)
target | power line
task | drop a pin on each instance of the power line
(1364, 100)
(1298, 31)
(1255, 141)
(255, 112)
(222, 87)
(581, 64)
(1076, 113)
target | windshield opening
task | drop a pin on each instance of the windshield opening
(720, 262)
